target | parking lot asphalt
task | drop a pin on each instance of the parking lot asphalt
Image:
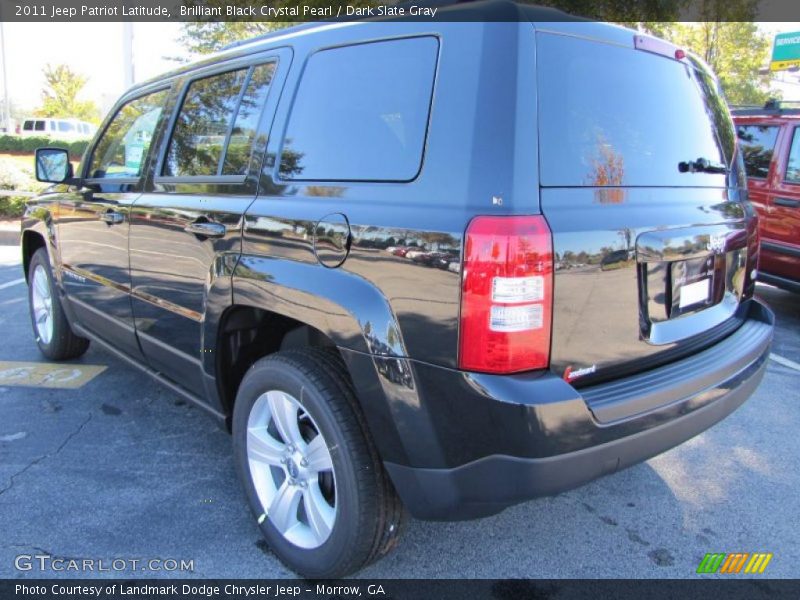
(123, 468)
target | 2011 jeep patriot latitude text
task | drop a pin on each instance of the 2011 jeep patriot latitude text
(442, 266)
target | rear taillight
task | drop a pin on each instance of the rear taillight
(506, 295)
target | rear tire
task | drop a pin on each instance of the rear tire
(54, 336)
(325, 506)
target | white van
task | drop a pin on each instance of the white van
(57, 128)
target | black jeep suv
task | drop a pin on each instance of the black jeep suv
(442, 266)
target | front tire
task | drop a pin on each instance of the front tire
(55, 338)
(311, 474)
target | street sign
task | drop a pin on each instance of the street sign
(785, 51)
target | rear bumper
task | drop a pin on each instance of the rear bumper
(553, 437)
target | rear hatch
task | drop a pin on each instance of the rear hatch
(642, 191)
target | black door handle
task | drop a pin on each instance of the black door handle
(207, 229)
(787, 202)
(112, 217)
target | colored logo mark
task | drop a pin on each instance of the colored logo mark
(735, 562)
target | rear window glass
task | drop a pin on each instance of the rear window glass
(757, 143)
(361, 112)
(616, 116)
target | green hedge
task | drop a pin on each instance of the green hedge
(14, 176)
(13, 143)
(12, 207)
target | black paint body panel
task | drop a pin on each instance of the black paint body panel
(376, 268)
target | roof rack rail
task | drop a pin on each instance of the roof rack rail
(272, 34)
(773, 106)
(489, 10)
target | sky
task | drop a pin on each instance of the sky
(92, 49)
(95, 50)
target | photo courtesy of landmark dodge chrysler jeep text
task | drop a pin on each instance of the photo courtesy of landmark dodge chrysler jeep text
(441, 267)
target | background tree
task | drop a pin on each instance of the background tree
(16, 111)
(205, 37)
(60, 96)
(722, 32)
(646, 15)
(209, 36)
(736, 51)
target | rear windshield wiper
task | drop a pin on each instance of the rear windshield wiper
(701, 165)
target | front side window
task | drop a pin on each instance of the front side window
(361, 112)
(757, 143)
(793, 166)
(217, 123)
(123, 147)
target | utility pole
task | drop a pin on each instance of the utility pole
(6, 106)
(127, 54)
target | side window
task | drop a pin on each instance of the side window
(39, 125)
(217, 122)
(123, 147)
(27, 126)
(757, 143)
(237, 156)
(793, 165)
(65, 126)
(361, 112)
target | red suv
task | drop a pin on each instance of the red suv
(770, 141)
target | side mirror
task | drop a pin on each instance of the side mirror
(52, 165)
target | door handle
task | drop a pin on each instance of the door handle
(112, 217)
(787, 202)
(206, 229)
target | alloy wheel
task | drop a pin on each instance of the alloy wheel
(291, 469)
(42, 304)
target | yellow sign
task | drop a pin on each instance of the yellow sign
(47, 375)
(782, 65)
(785, 51)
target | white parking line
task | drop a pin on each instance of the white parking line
(785, 362)
(10, 283)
